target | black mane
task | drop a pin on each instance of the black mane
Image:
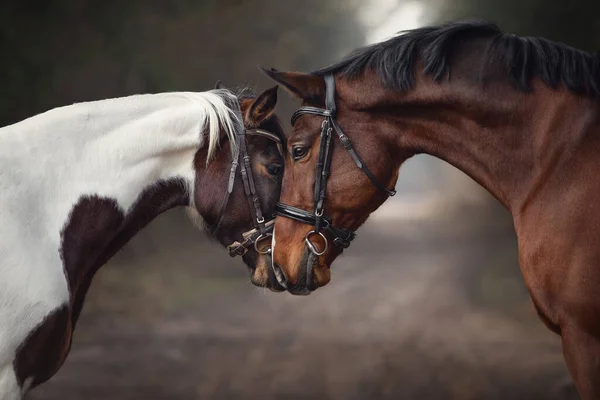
(524, 57)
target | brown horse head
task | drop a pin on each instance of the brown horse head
(230, 217)
(350, 195)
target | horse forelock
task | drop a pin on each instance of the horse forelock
(223, 113)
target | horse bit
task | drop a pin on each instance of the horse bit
(341, 236)
(262, 229)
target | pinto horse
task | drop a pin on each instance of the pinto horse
(78, 182)
(519, 115)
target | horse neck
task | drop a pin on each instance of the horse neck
(509, 141)
(113, 149)
(93, 174)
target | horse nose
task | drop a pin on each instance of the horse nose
(304, 285)
(299, 290)
(280, 276)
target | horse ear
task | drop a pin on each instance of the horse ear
(263, 107)
(304, 86)
(219, 85)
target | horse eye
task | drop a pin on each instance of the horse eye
(298, 152)
(274, 169)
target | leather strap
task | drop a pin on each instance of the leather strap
(358, 161)
(330, 94)
(249, 186)
(341, 237)
(309, 110)
(241, 159)
(249, 238)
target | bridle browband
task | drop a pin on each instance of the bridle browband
(341, 236)
(262, 229)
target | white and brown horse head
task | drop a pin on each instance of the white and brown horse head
(77, 182)
(229, 218)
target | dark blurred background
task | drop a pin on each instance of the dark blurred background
(428, 303)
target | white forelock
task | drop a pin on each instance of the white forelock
(223, 112)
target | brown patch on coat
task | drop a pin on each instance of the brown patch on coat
(45, 349)
(97, 228)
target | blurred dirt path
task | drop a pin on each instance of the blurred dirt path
(398, 321)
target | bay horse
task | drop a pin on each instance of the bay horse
(78, 182)
(519, 115)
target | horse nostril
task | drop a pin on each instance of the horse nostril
(275, 169)
(280, 276)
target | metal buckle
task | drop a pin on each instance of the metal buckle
(312, 247)
(344, 244)
(259, 239)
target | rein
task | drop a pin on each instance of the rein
(262, 229)
(341, 236)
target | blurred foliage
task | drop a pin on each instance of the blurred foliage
(64, 51)
(576, 23)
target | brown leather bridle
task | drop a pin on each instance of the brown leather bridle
(262, 229)
(341, 236)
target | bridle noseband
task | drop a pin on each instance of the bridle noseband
(341, 236)
(262, 229)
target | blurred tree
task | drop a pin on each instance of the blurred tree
(56, 53)
(576, 23)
